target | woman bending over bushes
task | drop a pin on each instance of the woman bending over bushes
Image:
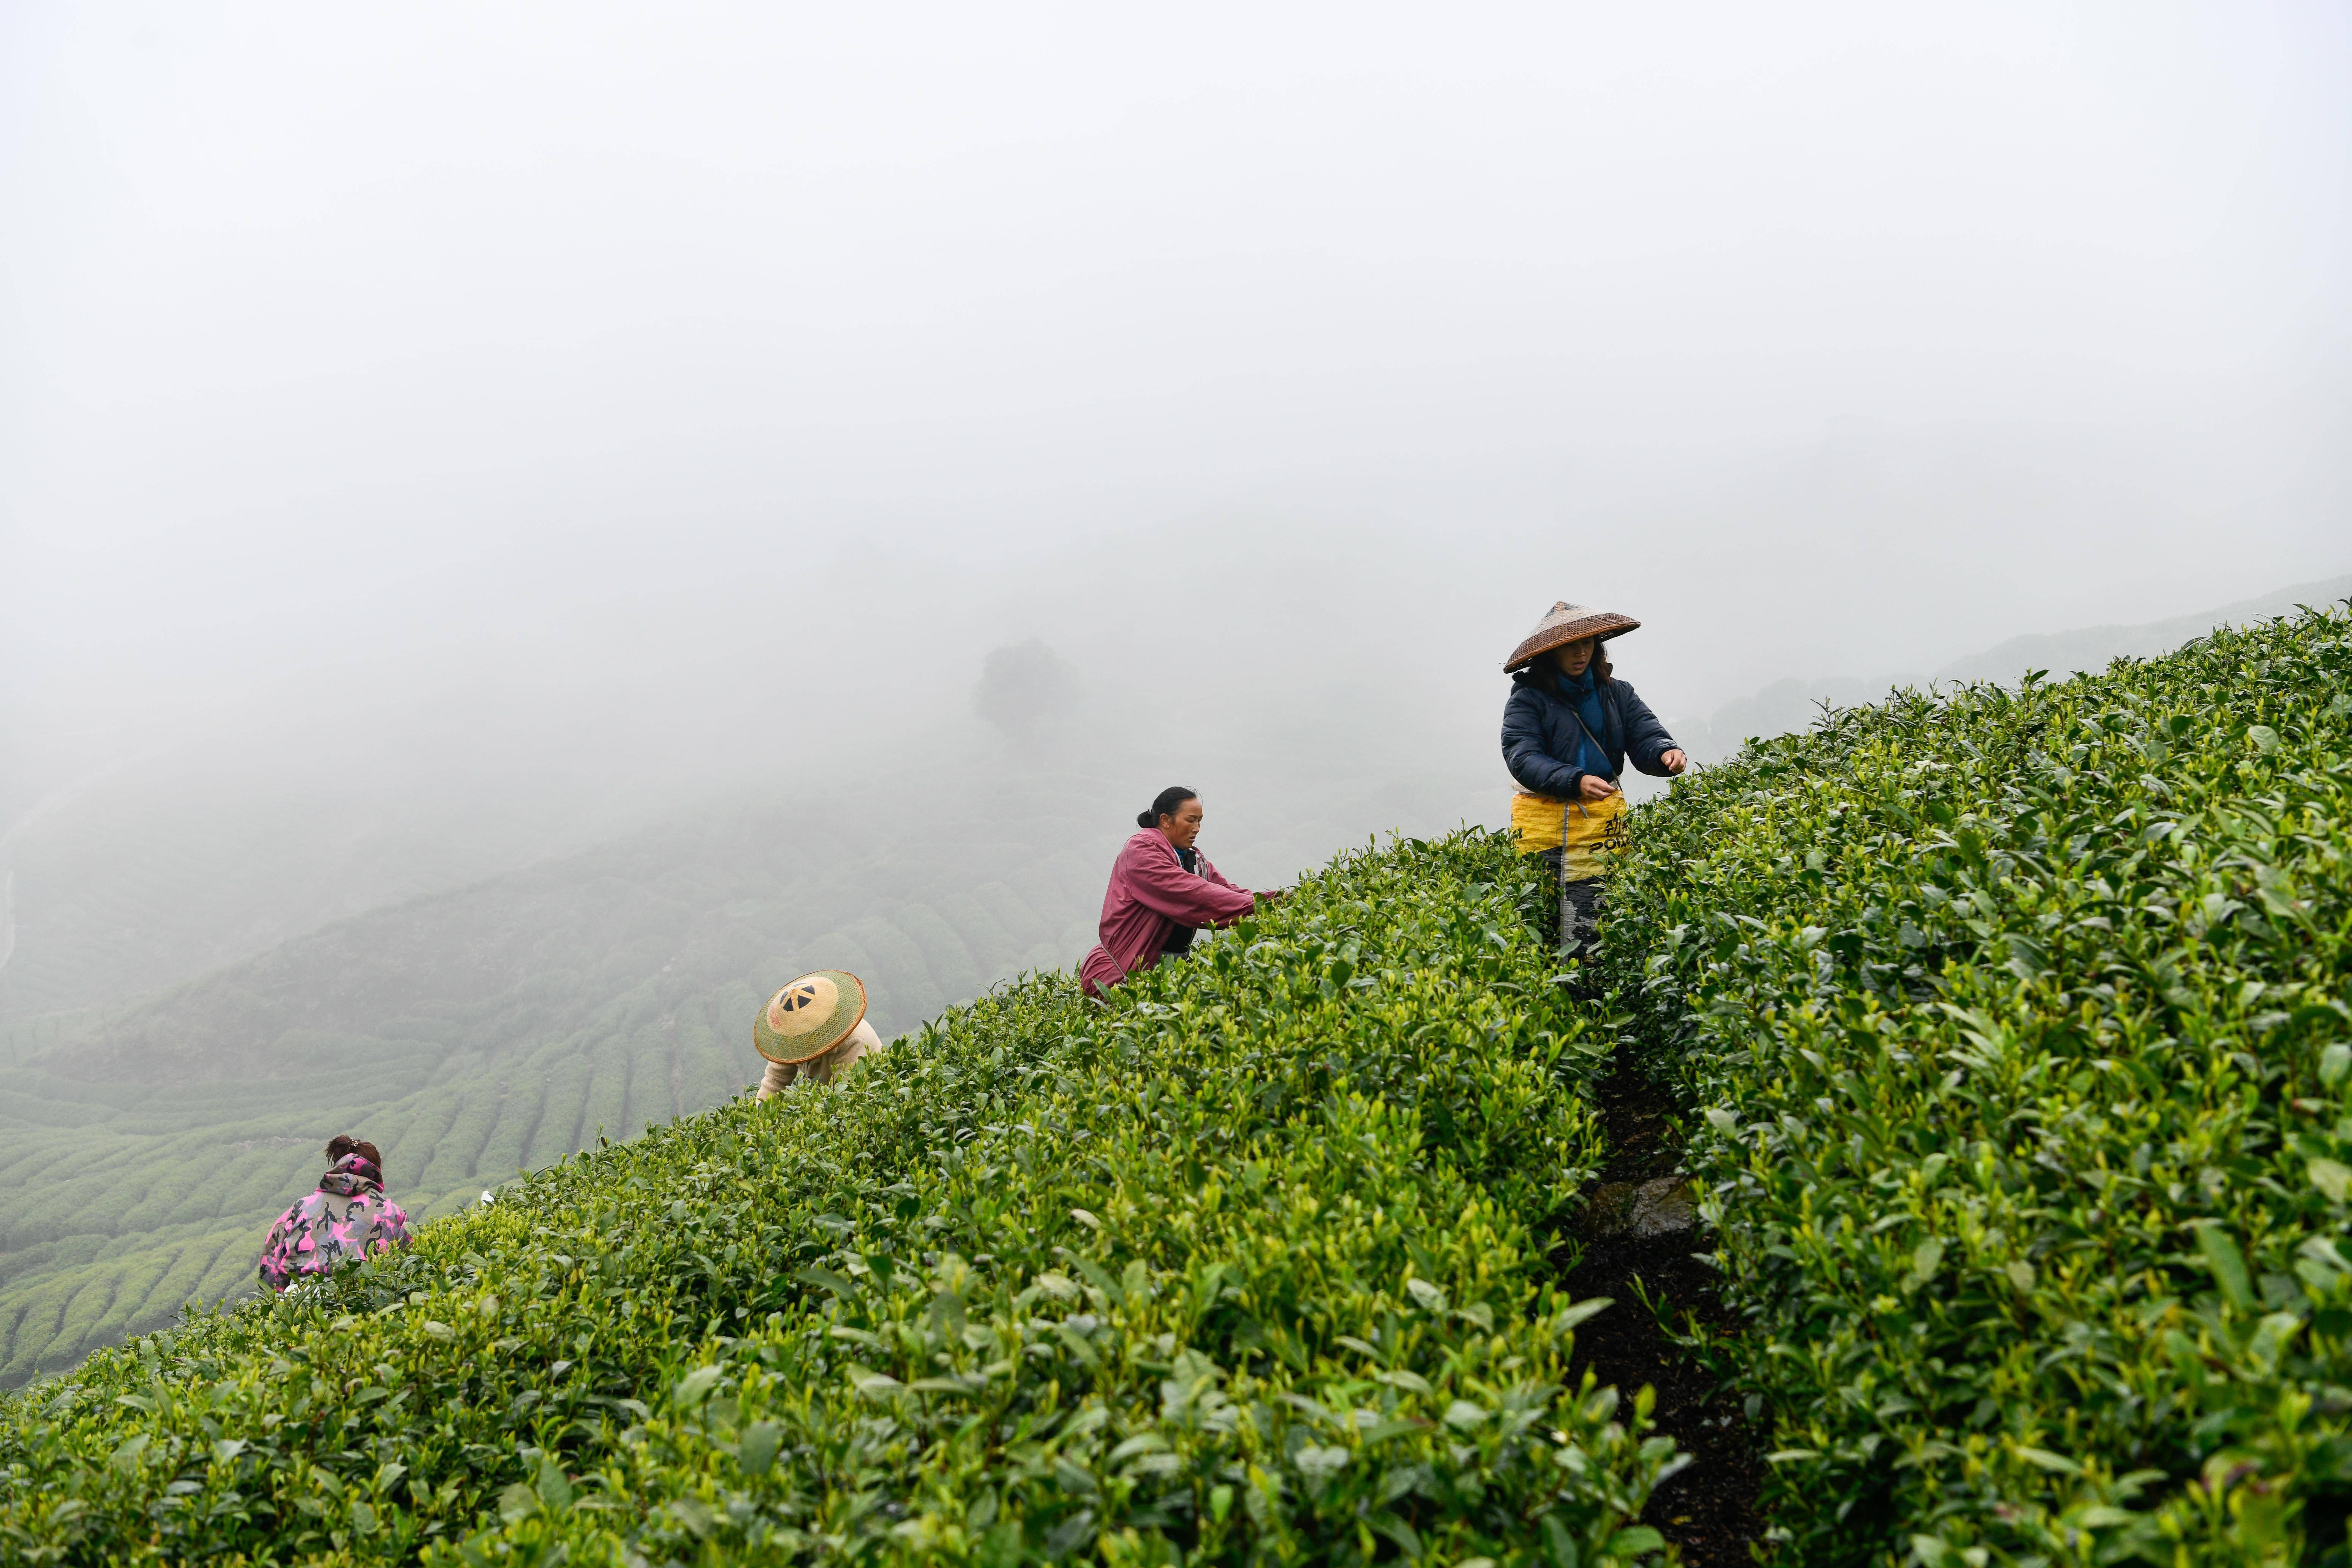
(1162, 891)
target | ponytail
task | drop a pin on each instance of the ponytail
(343, 1143)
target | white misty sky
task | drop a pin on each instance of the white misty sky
(1835, 337)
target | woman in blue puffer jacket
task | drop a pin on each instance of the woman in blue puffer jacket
(1568, 729)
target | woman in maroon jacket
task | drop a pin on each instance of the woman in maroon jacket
(1161, 891)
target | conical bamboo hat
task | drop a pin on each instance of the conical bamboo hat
(810, 1016)
(1564, 623)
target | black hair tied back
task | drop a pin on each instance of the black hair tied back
(1164, 804)
(343, 1143)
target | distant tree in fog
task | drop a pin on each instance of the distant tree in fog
(1021, 686)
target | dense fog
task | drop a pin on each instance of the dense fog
(501, 379)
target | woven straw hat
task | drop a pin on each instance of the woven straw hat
(1564, 623)
(810, 1016)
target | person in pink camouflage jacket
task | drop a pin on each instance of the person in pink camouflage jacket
(344, 1221)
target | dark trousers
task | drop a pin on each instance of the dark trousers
(1580, 906)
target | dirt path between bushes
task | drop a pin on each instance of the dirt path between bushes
(1636, 1238)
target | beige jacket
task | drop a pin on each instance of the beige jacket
(862, 1042)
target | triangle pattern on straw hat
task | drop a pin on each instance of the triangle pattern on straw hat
(810, 1016)
(1564, 623)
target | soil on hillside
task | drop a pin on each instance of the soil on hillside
(1637, 1239)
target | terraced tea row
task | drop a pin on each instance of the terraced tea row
(503, 1026)
(461, 1093)
(2018, 1024)
(1252, 1255)
(2012, 1029)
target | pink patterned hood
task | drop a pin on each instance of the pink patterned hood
(347, 1219)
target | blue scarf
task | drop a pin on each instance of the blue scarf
(1584, 696)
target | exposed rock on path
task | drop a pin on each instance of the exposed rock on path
(1662, 1206)
(1637, 1235)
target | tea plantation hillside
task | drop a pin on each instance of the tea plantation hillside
(2010, 1030)
(2013, 1027)
(470, 1036)
(1246, 1266)
(499, 1027)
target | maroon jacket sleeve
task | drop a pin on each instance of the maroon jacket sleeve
(1161, 883)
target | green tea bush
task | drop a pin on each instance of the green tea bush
(1246, 1266)
(2017, 1021)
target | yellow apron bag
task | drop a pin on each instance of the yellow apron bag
(1579, 829)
